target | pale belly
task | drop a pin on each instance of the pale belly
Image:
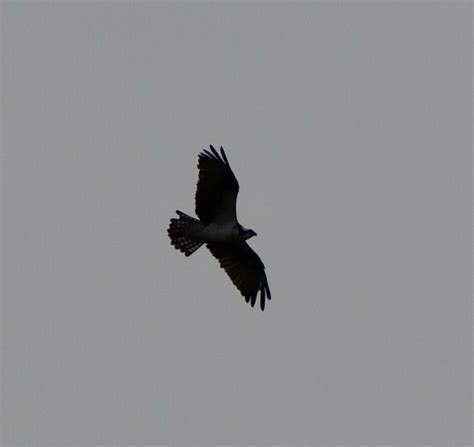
(219, 233)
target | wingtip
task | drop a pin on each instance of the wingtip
(224, 156)
(213, 154)
(253, 299)
(264, 295)
(205, 154)
(213, 150)
(210, 153)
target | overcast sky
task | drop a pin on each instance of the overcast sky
(348, 126)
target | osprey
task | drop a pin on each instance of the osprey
(218, 228)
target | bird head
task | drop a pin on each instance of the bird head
(246, 233)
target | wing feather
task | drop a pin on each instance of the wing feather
(217, 188)
(245, 269)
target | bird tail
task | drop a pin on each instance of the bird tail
(184, 232)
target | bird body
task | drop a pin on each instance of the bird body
(215, 232)
(219, 228)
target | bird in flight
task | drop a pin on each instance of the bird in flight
(219, 229)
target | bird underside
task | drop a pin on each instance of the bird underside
(218, 228)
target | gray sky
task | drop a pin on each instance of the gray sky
(348, 126)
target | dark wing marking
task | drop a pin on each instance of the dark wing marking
(245, 269)
(217, 188)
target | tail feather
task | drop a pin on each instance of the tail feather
(182, 233)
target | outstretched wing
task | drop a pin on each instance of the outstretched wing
(245, 268)
(217, 188)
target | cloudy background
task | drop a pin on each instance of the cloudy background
(348, 126)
